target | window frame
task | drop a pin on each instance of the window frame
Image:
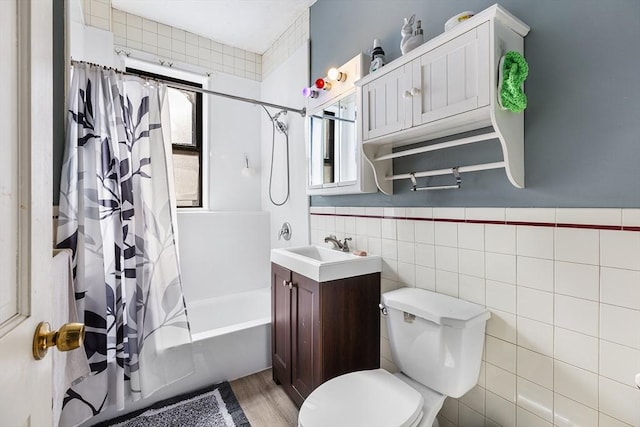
(199, 135)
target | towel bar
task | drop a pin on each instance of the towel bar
(439, 146)
(455, 172)
(436, 172)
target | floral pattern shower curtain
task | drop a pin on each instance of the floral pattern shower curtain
(117, 216)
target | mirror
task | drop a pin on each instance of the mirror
(334, 149)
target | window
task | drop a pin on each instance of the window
(185, 108)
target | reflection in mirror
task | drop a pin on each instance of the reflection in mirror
(317, 146)
(348, 145)
(333, 153)
(329, 146)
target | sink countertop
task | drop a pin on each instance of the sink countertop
(323, 264)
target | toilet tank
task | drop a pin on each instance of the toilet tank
(436, 339)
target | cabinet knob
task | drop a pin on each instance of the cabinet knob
(290, 285)
(409, 93)
(284, 283)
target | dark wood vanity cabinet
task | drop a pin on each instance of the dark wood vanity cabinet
(322, 329)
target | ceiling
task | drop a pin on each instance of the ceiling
(252, 25)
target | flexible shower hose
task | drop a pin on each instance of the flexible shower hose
(273, 143)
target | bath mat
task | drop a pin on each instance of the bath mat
(214, 406)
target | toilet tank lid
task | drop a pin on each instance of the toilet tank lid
(438, 308)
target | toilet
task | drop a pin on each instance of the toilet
(436, 342)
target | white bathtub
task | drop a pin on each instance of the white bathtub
(230, 313)
(224, 260)
(226, 278)
(231, 339)
(231, 336)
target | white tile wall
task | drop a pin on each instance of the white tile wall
(97, 13)
(577, 245)
(287, 43)
(502, 325)
(535, 304)
(500, 239)
(569, 413)
(535, 399)
(470, 236)
(620, 249)
(170, 43)
(563, 342)
(577, 280)
(576, 349)
(535, 336)
(526, 418)
(535, 273)
(535, 241)
(575, 383)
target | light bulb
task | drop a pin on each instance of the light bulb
(308, 92)
(336, 75)
(323, 84)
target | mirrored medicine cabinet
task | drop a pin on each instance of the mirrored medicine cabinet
(333, 144)
(336, 164)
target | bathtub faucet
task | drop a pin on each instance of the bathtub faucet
(337, 244)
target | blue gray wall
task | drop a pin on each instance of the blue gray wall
(582, 125)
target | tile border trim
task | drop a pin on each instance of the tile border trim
(491, 222)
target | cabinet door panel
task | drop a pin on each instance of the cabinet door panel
(451, 79)
(385, 109)
(305, 332)
(280, 326)
(349, 152)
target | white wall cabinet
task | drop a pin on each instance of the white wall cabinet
(445, 87)
(448, 80)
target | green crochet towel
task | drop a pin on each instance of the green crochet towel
(514, 71)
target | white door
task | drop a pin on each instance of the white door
(452, 78)
(25, 208)
(385, 108)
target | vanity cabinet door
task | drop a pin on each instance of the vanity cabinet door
(281, 324)
(453, 78)
(385, 107)
(305, 335)
(322, 330)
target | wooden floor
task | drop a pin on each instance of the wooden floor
(264, 402)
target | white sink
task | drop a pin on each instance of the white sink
(323, 264)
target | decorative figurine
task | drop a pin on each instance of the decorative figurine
(377, 56)
(410, 39)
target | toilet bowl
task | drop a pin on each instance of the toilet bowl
(374, 398)
(436, 341)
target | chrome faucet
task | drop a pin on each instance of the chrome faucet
(337, 244)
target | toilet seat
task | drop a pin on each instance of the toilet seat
(364, 398)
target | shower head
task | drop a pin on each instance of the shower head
(275, 118)
(282, 127)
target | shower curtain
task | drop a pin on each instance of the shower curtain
(117, 216)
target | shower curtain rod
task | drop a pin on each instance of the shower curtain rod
(301, 111)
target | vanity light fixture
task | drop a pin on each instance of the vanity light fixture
(309, 92)
(336, 75)
(321, 83)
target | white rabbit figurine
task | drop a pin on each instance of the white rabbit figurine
(410, 40)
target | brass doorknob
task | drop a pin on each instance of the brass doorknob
(70, 336)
